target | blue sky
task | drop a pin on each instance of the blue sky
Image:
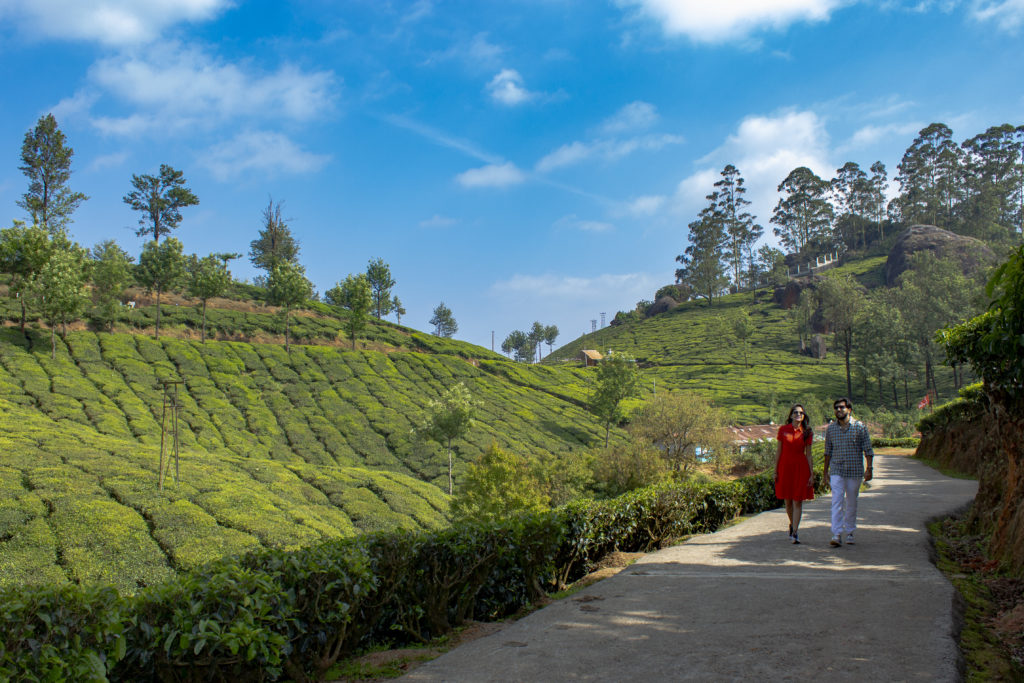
(519, 160)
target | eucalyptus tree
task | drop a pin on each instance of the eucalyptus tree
(208, 277)
(111, 275)
(448, 418)
(842, 299)
(992, 182)
(378, 274)
(444, 321)
(46, 162)
(274, 243)
(288, 287)
(928, 175)
(852, 200)
(354, 294)
(24, 250)
(702, 269)
(159, 199)
(803, 215)
(60, 289)
(397, 308)
(550, 335)
(879, 182)
(161, 269)
(741, 230)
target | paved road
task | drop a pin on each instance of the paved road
(745, 604)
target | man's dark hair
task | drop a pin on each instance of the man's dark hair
(848, 402)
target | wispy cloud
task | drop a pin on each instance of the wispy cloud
(438, 221)
(443, 139)
(573, 222)
(264, 152)
(507, 88)
(111, 22)
(101, 163)
(716, 22)
(492, 175)
(647, 205)
(477, 53)
(175, 85)
(1008, 15)
(870, 135)
(606, 150)
(631, 118)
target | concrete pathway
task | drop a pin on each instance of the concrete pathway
(746, 604)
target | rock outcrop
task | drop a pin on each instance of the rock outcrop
(662, 305)
(972, 254)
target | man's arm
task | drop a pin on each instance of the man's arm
(828, 458)
(869, 453)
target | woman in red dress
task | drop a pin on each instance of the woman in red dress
(794, 477)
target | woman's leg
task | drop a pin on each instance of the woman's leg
(798, 510)
(789, 513)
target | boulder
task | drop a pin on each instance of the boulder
(662, 305)
(972, 254)
(788, 295)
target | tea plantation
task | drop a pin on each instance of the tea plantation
(278, 450)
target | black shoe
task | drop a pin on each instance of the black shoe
(796, 540)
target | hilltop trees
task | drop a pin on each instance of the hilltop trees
(741, 232)
(111, 273)
(354, 295)
(702, 267)
(274, 244)
(159, 199)
(617, 379)
(161, 268)
(443, 321)
(288, 287)
(46, 162)
(207, 277)
(378, 274)
(59, 289)
(803, 215)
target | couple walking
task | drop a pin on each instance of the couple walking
(847, 446)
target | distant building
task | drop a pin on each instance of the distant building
(589, 357)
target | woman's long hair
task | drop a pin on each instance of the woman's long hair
(805, 424)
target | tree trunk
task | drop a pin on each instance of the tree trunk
(53, 342)
(204, 321)
(157, 333)
(607, 429)
(287, 346)
(24, 313)
(451, 478)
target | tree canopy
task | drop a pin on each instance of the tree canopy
(159, 199)
(46, 162)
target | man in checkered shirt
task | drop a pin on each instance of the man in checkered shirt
(847, 445)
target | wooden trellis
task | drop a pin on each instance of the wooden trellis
(170, 402)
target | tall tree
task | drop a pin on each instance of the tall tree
(991, 180)
(927, 177)
(24, 250)
(46, 161)
(803, 215)
(852, 200)
(550, 335)
(841, 302)
(399, 310)
(741, 231)
(743, 328)
(702, 265)
(521, 344)
(449, 418)
(60, 290)
(161, 269)
(536, 335)
(274, 244)
(378, 274)
(111, 273)
(617, 379)
(878, 182)
(288, 287)
(208, 277)
(443, 321)
(159, 199)
(354, 295)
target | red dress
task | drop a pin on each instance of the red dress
(794, 473)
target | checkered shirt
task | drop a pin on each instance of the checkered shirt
(844, 448)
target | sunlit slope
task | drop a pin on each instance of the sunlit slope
(319, 405)
(83, 506)
(693, 347)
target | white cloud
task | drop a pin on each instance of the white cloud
(266, 152)
(1008, 15)
(177, 85)
(764, 149)
(477, 53)
(492, 175)
(632, 117)
(573, 222)
(71, 107)
(438, 221)
(606, 149)
(507, 88)
(111, 22)
(106, 161)
(647, 205)
(869, 135)
(714, 22)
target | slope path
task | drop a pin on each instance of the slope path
(745, 604)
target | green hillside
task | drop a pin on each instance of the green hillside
(278, 450)
(692, 347)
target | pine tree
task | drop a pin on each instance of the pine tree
(46, 162)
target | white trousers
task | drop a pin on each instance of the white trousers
(844, 503)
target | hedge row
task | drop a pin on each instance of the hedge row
(274, 614)
(895, 442)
